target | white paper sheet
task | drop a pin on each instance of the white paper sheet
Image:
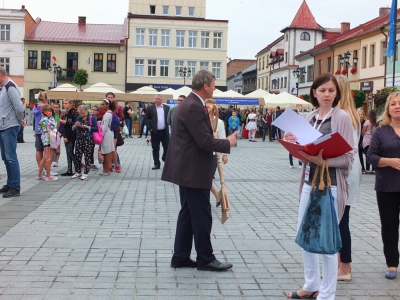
(292, 122)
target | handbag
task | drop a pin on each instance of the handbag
(125, 130)
(319, 230)
(120, 139)
(98, 136)
(55, 139)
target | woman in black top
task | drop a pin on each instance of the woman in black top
(143, 122)
(384, 155)
(361, 113)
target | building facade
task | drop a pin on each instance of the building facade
(249, 79)
(73, 46)
(169, 42)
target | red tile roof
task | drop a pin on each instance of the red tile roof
(73, 33)
(304, 19)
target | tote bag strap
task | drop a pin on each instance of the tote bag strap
(321, 179)
(328, 176)
(314, 182)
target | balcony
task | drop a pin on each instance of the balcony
(66, 74)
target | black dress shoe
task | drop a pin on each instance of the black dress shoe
(216, 265)
(156, 167)
(11, 193)
(4, 189)
(139, 137)
(190, 263)
(67, 174)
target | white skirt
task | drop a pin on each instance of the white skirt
(252, 125)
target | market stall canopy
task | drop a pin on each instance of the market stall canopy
(217, 91)
(258, 94)
(234, 98)
(102, 88)
(99, 90)
(63, 91)
(175, 94)
(285, 100)
(147, 94)
(185, 90)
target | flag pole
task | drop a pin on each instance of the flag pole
(395, 42)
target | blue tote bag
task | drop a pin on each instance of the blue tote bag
(319, 229)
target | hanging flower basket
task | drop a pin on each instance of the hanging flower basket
(344, 71)
(353, 70)
(337, 72)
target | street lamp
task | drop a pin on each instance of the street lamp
(345, 61)
(298, 73)
(55, 69)
(184, 73)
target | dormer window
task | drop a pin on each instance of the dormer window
(305, 36)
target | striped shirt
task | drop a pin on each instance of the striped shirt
(385, 143)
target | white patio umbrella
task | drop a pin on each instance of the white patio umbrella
(287, 100)
(102, 87)
(185, 90)
(65, 90)
(147, 94)
(99, 90)
(258, 93)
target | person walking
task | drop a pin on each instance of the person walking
(383, 154)
(23, 124)
(328, 118)
(156, 121)
(171, 112)
(367, 131)
(12, 112)
(107, 146)
(128, 112)
(346, 103)
(57, 114)
(189, 165)
(69, 135)
(251, 125)
(143, 113)
(361, 114)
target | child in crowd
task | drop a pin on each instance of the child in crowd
(46, 125)
(57, 116)
(233, 123)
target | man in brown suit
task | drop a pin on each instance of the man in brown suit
(189, 165)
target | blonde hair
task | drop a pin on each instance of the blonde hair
(386, 118)
(82, 107)
(210, 100)
(42, 96)
(214, 110)
(346, 102)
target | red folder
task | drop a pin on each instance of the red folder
(333, 144)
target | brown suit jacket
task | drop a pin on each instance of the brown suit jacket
(190, 149)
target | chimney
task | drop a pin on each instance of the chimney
(383, 11)
(81, 20)
(344, 26)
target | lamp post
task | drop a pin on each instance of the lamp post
(298, 73)
(54, 70)
(184, 73)
(345, 61)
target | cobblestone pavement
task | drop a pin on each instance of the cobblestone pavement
(112, 238)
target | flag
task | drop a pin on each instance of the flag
(88, 60)
(392, 29)
(54, 58)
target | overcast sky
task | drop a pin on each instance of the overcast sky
(253, 24)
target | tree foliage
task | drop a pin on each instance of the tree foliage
(381, 95)
(81, 77)
(359, 97)
(305, 97)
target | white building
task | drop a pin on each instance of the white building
(14, 23)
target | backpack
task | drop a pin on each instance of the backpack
(98, 137)
(115, 122)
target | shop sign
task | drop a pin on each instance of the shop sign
(367, 86)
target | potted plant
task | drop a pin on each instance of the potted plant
(359, 97)
(344, 71)
(337, 72)
(353, 70)
(381, 95)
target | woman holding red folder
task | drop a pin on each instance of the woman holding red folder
(328, 118)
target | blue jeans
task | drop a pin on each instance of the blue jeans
(8, 147)
(128, 123)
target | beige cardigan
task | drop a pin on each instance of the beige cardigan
(341, 123)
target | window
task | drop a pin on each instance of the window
(262, 83)
(139, 67)
(216, 69)
(281, 83)
(178, 66)
(266, 83)
(178, 10)
(205, 39)
(382, 58)
(305, 36)
(180, 38)
(217, 40)
(164, 66)
(191, 68)
(285, 82)
(165, 37)
(72, 63)
(192, 39)
(328, 64)
(364, 57)
(152, 9)
(263, 63)
(5, 63)
(286, 37)
(259, 63)
(165, 10)
(45, 60)
(98, 62)
(277, 83)
(319, 66)
(139, 36)
(4, 32)
(151, 67)
(310, 73)
(111, 62)
(153, 37)
(372, 55)
(303, 75)
(285, 57)
(32, 59)
(204, 65)
(191, 11)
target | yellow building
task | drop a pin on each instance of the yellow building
(72, 46)
(170, 38)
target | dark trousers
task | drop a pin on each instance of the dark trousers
(389, 209)
(142, 127)
(270, 133)
(264, 133)
(194, 221)
(156, 138)
(69, 149)
(128, 123)
(261, 130)
(361, 156)
(291, 160)
(345, 252)
(84, 146)
(367, 164)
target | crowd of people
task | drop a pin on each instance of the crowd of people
(375, 137)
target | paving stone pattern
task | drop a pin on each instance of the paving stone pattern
(112, 238)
